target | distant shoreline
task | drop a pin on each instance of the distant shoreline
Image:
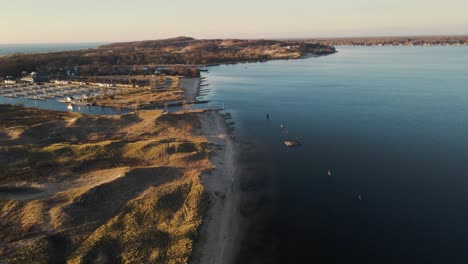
(393, 41)
(44, 48)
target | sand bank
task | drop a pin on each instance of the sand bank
(191, 87)
(219, 234)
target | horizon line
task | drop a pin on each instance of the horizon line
(259, 38)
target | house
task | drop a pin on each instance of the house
(9, 81)
(106, 85)
(160, 70)
(61, 82)
(27, 79)
(34, 77)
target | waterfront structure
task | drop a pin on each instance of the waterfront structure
(34, 77)
(28, 79)
(62, 82)
(9, 81)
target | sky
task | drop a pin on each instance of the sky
(61, 21)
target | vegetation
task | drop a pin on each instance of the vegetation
(11, 117)
(144, 57)
(394, 41)
(166, 89)
(108, 189)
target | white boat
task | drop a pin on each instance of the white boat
(290, 143)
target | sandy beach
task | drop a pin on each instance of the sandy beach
(219, 233)
(176, 170)
(191, 87)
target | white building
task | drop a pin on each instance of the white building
(106, 85)
(28, 79)
(61, 82)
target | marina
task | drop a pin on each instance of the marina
(61, 92)
(62, 97)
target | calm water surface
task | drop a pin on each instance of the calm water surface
(54, 104)
(390, 123)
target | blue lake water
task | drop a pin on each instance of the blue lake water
(54, 104)
(390, 123)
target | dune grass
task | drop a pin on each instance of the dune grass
(122, 189)
(167, 91)
(158, 227)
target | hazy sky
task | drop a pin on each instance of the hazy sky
(27, 21)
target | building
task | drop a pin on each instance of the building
(106, 84)
(160, 70)
(27, 79)
(61, 82)
(34, 77)
(9, 80)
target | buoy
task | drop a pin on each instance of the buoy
(291, 144)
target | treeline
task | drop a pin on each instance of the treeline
(104, 60)
(396, 41)
(90, 70)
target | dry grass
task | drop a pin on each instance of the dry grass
(10, 117)
(167, 90)
(82, 189)
(157, 227)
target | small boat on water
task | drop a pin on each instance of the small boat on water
(290, 143)
(73, 101)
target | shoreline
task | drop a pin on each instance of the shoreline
(191, 88)
(217, 238)
(219, 234)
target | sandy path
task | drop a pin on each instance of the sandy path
(220, 231)
(24, 191)
(191, 87)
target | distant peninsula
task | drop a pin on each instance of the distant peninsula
(392, 41)
(158, 184)
(146, 56)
